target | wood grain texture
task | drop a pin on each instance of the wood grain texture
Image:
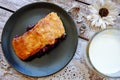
(4, 15)
(6, 71)
(93, 1)
(14, 4)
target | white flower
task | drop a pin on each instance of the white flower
(103, 14)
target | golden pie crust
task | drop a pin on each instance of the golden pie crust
(43, 33)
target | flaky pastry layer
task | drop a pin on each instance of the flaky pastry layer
(43, 33)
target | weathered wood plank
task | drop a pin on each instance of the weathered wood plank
(117, 22)
(14, 4)
(4, 15)
(6, 71)
(93, 1)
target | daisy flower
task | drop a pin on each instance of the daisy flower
(103, 14)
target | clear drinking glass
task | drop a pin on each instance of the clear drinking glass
(103, 53)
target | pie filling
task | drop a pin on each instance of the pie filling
(46, 49)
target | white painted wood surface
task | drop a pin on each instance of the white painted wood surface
(6, 71)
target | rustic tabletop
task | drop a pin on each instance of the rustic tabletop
(77, 69)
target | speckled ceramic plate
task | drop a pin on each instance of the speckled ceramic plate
(57, 58)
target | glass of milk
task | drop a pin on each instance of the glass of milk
(103, 52)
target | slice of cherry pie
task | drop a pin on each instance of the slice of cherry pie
(43, 35)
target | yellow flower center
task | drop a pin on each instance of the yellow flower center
(103, 12)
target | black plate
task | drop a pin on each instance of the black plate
(50, 63)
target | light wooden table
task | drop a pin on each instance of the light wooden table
(77, 68)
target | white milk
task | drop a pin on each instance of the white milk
(104, 51)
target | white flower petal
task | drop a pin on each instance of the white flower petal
(96, 19)
(109, 18)
(93, 23)
(103, 26)
(92, 17)
(109, 5)
(113, 13)
(92, 9)
(89, 17)
(96, 16)
(102, 2)
(97, 24)
(109, 22)
(97, 6)
(100, 21)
